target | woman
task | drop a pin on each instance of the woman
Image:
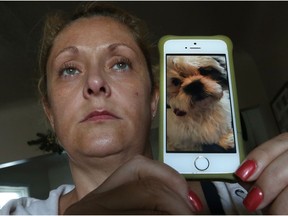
(99, 96)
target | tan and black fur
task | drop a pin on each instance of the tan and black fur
(199, 107)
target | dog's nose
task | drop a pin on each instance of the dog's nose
(196, 90)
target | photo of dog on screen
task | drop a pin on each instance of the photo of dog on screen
(198, 103)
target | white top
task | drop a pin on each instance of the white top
(231, 196)
(32, 206)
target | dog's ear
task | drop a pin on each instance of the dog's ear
(223, 79)
(216, 75)
(221, 61)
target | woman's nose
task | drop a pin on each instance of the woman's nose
(96, 84)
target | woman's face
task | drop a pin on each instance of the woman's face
(100, 101)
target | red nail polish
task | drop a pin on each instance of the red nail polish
(195, 201)
(246, 170)
(253, 199)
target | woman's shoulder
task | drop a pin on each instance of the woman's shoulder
(29, 205)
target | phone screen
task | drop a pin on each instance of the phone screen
(199, 106)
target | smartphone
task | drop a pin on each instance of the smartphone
(200, 130)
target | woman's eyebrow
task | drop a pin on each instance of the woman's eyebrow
(71, 49)
(114, 46)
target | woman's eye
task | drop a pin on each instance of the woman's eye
(122, 65)
(69, 72)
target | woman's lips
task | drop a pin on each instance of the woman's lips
(99, 115)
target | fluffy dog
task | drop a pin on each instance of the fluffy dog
(198, 105)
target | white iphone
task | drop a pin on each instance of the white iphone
(200, 131)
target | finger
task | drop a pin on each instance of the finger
(141, 167)
(279, 206)
(270, 183)
(152, 195)
(258, 159)
(144, 196)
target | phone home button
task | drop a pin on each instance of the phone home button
(201, 163)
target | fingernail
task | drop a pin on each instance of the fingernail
(195, 201)
(246, 170)
(253, 199)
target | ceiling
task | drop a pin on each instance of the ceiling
(259, 28)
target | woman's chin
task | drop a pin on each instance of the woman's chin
(99, 148)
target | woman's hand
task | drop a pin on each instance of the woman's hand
(267, 165)
(141, 186)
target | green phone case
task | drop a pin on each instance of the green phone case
(226, 177)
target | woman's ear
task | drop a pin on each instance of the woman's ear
(154, 102)
(48, 112)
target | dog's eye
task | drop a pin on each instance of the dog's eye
(176, 81)
(205, 71)
(214, 74)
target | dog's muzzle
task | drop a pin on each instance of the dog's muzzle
(196, 90)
